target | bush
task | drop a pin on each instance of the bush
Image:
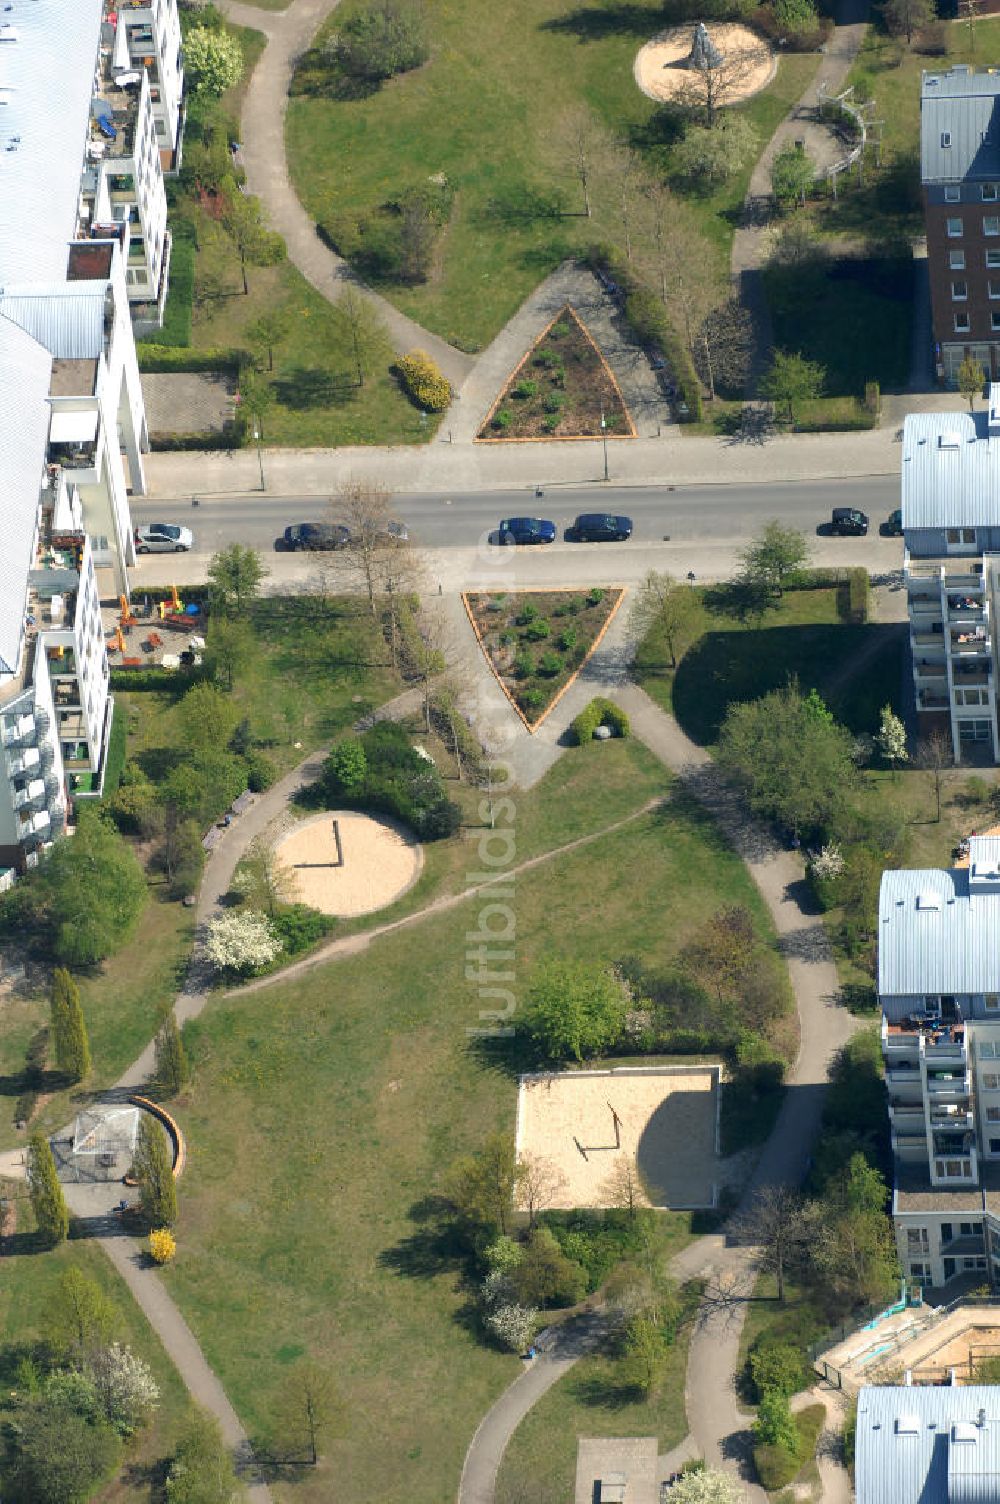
(524, 665)
(115, 761)
(553, 403)
(396, 780)
(503, 418)
(525, 389)
(527, 613)
(777, 1366)
(600, 712)
(538, 630)
(853, 597)
(383, 39)
(648, 318)
(533, 699)
(567, 639)
(423, 382)
(154, 680)
(933, 40)
(298, 927)
(261, 771)
(595, 596)
(777, 1465)
(550, 664)
(162, 1245)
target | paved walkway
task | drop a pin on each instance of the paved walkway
(289, 34)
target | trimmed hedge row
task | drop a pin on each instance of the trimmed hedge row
(180, 298)
(153, 357)
(137, 680)
(600, 712)
(116, 753)
(853, 597)
(650, 323)
(232, 436)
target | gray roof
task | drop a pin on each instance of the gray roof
(66, 317)
(913, 1192)
(926, 1445)
(964, 108)
(935, 935)
(950, 471)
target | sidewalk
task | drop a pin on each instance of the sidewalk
(442, 466)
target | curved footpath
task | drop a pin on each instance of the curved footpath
(289, 33)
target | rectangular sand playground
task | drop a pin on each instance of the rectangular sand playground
(667, 1125)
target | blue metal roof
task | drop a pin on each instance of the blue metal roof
(960, 126)
(950, 471)
(928, 1445)
(935, 936)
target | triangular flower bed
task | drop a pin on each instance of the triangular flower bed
(559, 391)
(537, 641)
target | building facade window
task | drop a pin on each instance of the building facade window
(960, 537)
(954, 228)
(991, 1002)
(989, 193)
(993, 259)
(993, 1114)
(962, 325)
(956, 261)
(917, 1240)
(991, 224)
(995, 320)
(952, 193)
(959, 291)
(956, 1169)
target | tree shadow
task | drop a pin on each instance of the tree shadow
(523, 204)
(600, 1392)
(158, 762)
(591, 25)
(435, 1247)
(302, 387)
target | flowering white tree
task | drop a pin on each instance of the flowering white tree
(706, 1487)
(828, 863)
(892, 738)
(213, 60)
(126, 1390)
(241, 942)
(513, 1325)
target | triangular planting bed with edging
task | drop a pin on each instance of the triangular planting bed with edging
(537, 641)
(559, 391)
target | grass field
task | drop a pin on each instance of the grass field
(485, 111)
(325, 1111)
(25, 1291)
(802, 636)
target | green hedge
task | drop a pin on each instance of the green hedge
(232, 436)
(157, 357)
(650, 323)
(600, 712)
(180, 298)
(115, 761)
(853, 597)
(776, 1466)
(141, 679)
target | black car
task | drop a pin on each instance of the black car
(601, 527)
(317, 535)
(848, 522)
(894, 523)
(526, 530)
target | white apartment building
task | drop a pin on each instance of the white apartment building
(147, 38)
(72, 431)
(951, 527)
(939, 989)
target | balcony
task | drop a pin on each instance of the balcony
(16, 733)
(951, 1119)
(35, 824)
(946, 1084)
(23, 762)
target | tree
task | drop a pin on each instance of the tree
(162, 1245)
(713, 85)
(574, 1010)
(968, 11)
(369, 336)
(645, 1348)
(68, 1027)
(545, 1275)
(793, 173)
(80, 1316)
(382, 39)
(723, 348)
(213, 60)
(230, 648)
(47, 1200)
(904, 17)
(711, 155)
(365, 507)
(481, 1187)
(778, 1366)
(667, 611)
(172, 1069)
(57, 1454)
(934, 754)
(307, 1404)
(152, 1168)
(263, 879)
(201, 1471)
(623, 1187)
(512, 1325)
(256, 397)
(206, 717)
(773, 555)
(270, 328)
(346, 769)
(796, 15)
(724, 951)
(181, 854)
(582, 146)
(539, 1183)
(773, 1223)
(794, 767)
(242, 942)
(851, 1242)
(126, 1390)
(774, 1426)
(92, 891)
(891, 738)
(791, 378)
(236, 574)
(707, 1486)
(244, 222)
(971, 380)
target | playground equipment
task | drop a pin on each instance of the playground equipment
(126, 618)
(178, 603)
(117, 643)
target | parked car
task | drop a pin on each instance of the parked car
(894, 523)
(163, 538)
(601, 527)
(527, 530)
(395, 532)
(316, 535)
(848, 522)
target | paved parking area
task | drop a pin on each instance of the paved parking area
(180, 402)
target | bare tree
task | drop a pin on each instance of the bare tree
(672, 610)
(934, 754)
(581, 144)
(724, 346)
(627, 167)
(369, 337)
(774, 1223)
(682, 264)
(364, 507)
(623, 1186)
(719, 80)
(306, 1407)
(539, 1182)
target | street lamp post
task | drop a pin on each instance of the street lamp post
(604, 440)
(260, 457)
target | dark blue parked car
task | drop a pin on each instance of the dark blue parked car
(527, 530)
(601, 527)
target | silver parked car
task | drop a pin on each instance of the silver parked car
(163, 538)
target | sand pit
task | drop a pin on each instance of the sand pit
(748, 64)
(665, 1123)
(380, 861)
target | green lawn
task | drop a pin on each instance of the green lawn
(540, 1462)
(732, 660)
(25, 1291)
(485, 111)
(324, 1112)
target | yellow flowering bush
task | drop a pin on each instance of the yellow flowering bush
(425, 384)
(162, 1245)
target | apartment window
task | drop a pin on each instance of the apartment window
(995, 1145)
(991, 224)
(989, 193)
(952, 193)
(917, 1240)
(972, 697)
(991, 1082)
(991, 1002)
(986, 1049)
(918, 1271)
(954, 228)
(962, 325)
(956, 1169)
(960, 536)
(970, 1229)
(946, 138)
(956, 261)
(995, 320)
(959, 292)
(993, 258)
(993, 1114)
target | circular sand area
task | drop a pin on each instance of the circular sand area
(748, 64)
(380, 860)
